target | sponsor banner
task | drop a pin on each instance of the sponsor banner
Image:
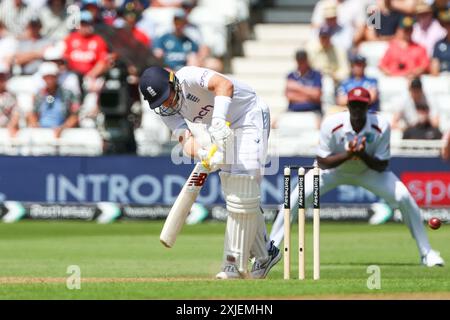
(63, 212)
(107, 212)
(428, 188)
(156, 181)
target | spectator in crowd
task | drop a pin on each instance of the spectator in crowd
(8, 47)
(441, 53)
(54, 107)
(406, 7)
(349, 13)
(327, 58)
(388, 23)
(409, 106)
(304, 86)
(342, 35)
(423, 129)
(139, 5)
(15, 15)
(86, 52)
(30, 50)
(55, 22)
(67, 79)
(351, 16)
(131, 16)
(87, 55)
(146, 23)
(175, 48)
(193, 32)
(109, 12)
(404, 57)
(358, 79)
(93, 7)
(440, 6)
(9, 114)
(427, 30)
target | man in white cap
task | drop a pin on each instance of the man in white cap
(54, 107)
(66, 78)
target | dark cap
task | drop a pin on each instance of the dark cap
(325, 30)
(406, 22)
(155, 86)
(357, 58)
(416, 83)
(301, 55)
(359, 94)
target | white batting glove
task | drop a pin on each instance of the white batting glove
(212, 159)
(220, 133)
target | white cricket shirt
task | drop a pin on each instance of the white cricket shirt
(198, 103)
(336, 131)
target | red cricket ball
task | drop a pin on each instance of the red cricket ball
(434, 223)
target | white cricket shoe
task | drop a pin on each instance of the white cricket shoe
(260, 270)
(432, 259)
(229, 272)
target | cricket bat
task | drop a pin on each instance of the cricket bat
(183, 204)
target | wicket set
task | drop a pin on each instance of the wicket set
(301, 221)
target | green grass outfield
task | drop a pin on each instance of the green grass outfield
(125, 260)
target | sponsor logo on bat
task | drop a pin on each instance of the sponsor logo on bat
(197, 179)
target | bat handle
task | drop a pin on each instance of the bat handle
(211, 152)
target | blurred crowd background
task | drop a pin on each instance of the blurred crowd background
(69, 69)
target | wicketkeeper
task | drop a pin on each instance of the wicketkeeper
(354, 149)
(204, 96)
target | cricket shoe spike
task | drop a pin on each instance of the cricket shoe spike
(432, 259)
(229, 272)
(260, 270)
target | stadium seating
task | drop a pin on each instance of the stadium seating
(39, 142)
(80, 141)
(442, 102)
(436, 85)
(373, 52)
(391, 88)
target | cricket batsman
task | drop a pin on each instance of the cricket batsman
(238, 123)
(354, 150)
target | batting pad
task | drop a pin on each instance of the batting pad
(259, 247)
(242, 196)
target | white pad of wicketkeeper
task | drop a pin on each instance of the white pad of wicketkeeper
(242, 196)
